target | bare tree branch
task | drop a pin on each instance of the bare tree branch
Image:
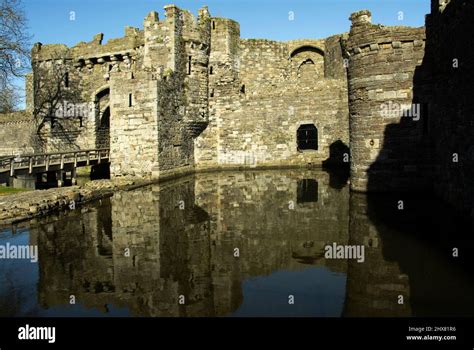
(14, 51)
(50, 93)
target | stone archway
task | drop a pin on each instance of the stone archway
(102, 118)
(307, 63)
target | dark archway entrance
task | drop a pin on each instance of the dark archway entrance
(307, 137)
(103, 131)
(102, 118)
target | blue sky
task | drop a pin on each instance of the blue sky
(49, 20)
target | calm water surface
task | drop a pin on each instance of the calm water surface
(242, 244)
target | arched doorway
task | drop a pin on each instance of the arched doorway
(307, 137)
(102, 120)
(103, 131)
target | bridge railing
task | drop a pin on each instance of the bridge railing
(30, 161)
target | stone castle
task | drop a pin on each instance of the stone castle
(186, 93)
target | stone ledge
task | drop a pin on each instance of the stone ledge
(385, 46)
(27, 205)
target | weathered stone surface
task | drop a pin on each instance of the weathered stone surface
(187, 93)
(381, 72)
(22, 206)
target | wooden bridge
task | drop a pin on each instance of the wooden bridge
(58, 162)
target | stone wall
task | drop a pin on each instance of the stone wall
(16, 131)
(263, 93)
(187, 92)
(387, 148)
(133, 124)
(89, 66)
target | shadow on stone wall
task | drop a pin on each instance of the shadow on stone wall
(417, 230)
(338, 164)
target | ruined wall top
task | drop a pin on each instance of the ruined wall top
(133, 38)
(361, 17)
(95, 48)
(367, 36)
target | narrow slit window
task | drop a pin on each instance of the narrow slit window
(211, 70)
(189, 65)
(66, 80)
(211, 94)
(213, 25)
(242, 89)
(130, 100)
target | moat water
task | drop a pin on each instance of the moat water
(243, 244)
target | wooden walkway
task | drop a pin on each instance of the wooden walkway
(32, 164)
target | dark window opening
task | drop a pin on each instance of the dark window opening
(211, 94)
(130, 100)
(242, 89)
(307, 191)
(66, 80)
(211, 70)
(105, 120)
(189, 65)
(213, 25)
(307, 137)
(80, 122)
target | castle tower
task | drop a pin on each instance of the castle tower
(386, 125)
(159, 109)
(223, 84)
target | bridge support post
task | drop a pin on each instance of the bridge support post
(60, 177)
(74, 176)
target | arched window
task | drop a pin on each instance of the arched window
(307, 137)
(307, 62)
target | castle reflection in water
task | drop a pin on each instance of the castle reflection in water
(242, 243)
